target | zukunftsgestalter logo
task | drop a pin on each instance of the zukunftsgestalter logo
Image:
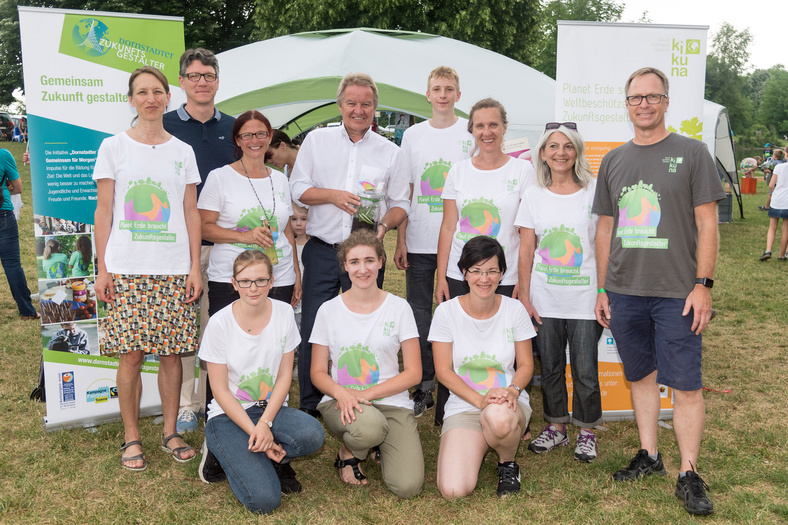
(88, 34)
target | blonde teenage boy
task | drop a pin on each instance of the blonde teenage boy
(428, 150)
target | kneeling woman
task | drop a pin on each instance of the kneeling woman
(477, 339)
(366, 402)
(248, 346)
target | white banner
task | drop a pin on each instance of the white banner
(76, 67)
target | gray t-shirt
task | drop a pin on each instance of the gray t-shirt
(651, 193)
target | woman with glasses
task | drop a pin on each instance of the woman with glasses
(558, 286)
(481, 197)
(251, 431)
(147, 232)
(366, 404)
(246, 205)
(478, 340)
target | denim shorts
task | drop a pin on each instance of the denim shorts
(778, 214)
(651, 334)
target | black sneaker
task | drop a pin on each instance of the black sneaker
(691, 489)
(422, 400)
(210, 470)
(641, 466)
(287, 478)
(508, 478)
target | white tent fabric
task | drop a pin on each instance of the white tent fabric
(282, 77)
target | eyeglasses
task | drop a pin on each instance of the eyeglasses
(636, 100)
(247, 283)
(195, 77)
(556, 125)
(486, 273)
(248, 136)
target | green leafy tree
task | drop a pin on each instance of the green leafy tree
(503, 26)
(216, 24)
(590, 10)
(774, 104)
(725, 67)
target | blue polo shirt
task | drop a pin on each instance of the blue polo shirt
(211, 141)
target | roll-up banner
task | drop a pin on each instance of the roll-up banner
(595, 59)
(76, 68)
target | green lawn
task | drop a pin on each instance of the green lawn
(74, 476)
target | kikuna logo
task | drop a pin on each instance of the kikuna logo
(256, 386)
(482, 372)
(90, 35)
(561, 251)
(693, 46)
(357, 367)
(639, 214)
(679, 60)
(253, 218)
(479, 217)
(146, 207)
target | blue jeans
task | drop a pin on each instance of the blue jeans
(420, 285)
(12, 264)
(322, 279)
(251, 474)
(583, 337)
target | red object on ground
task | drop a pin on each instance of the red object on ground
(748, 185)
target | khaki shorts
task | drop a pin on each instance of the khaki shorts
(471, 419)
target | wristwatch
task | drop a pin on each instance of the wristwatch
(705, 281)
(269, 423)
(516, 387)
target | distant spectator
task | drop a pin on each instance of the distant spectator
(778, 188)
(767, 168)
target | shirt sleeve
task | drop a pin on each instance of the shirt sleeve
(706, 183)
(213, 341)
(320, 328)
(407, 323)
(192, 171)
(440, 329)
(8, 165)
(449, 187)
(293, 338)
(301, 178)
(602, 202)
(523, 327)
(105, 163)
(399, 186)
(211, 195)
(524, 212)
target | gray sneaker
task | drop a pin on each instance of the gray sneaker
(586, 450)
(641, 466)
(548, 440)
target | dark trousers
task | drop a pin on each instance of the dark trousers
(420, 286)
(323, 278)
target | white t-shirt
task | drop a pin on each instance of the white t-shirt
(780, 195)
(487, 203)
(482, 350)
(148, 235)
(228, 192)
(426, 156)
(563, 278)
(252, 360)
(364, 348)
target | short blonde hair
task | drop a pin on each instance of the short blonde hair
(444, 72)
(647, 71)
(357, 79)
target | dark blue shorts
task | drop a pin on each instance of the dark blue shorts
(778, 214)
(651, 334)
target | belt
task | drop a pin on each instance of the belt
(318, 240)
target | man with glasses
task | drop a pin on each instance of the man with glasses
(333, 166)
(656, 249)
(210, 134)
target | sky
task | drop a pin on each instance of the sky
(764, 18)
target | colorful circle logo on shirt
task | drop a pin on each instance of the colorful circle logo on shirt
(482, 372)
(147, 202)
(561, 247)
(639, 207)
(480, 218)
(357, 368)
(88, 34)
(434, 177)
(251, 219)
(256, 387)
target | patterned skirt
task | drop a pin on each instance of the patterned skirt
(150, 314)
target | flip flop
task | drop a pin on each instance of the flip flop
(353, 463)
(177, 453)
(123, 459)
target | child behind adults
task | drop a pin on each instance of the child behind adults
(298, 225)
(477, 339)
(366, 400)
(248, 347)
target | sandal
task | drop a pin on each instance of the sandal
(31, 317)
(123, 459)
(339, 464)
(376, 454)
(177, 453)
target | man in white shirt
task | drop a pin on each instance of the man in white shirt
(333, 166)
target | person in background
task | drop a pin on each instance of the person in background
(11, 184)
(768, 169)
(429, 150)
(282, 152)
(81, 257)
(209, 132)
(558, 286)
(298, 222)
(146, 175)
(778, 187)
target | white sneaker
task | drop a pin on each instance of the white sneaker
(548, 440)
(587, 449)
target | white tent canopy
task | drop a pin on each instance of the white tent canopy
(288, 77)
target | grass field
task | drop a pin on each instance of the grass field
(74, 476)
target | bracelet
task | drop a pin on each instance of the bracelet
(601, 290)
(516, 387)
(381, 223)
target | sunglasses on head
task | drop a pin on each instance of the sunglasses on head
(556, 125)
